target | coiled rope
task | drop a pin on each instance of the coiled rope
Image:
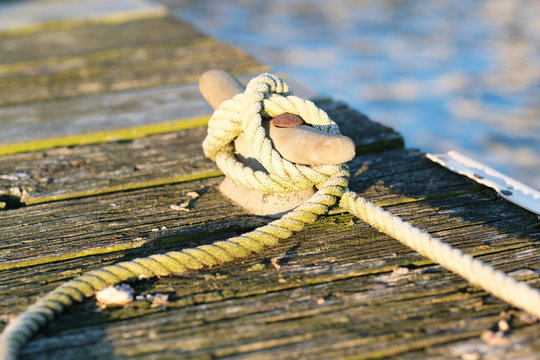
(267, 95)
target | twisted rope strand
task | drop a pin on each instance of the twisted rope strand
(270, 95)
(476, 272)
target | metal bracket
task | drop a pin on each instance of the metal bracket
(508, 188)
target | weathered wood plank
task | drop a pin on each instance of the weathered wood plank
(117, 166)
(335, 247)
(326, 320)
(26, 48)
(336, 289)
(340, 308)
(34, 16)
(61, 230)
(120, 69)
(521, 344)
(117, 115)
(274, 312)
(102, 168)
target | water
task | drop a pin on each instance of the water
(447, 74)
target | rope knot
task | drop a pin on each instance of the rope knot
(242, 115)
(265, 96)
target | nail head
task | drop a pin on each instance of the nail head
(287, 120)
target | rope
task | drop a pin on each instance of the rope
(266, 95)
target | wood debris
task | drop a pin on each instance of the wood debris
(182, 207)
(118, 295)
(158, 300)
(499, 335)
(185, 205)
(193, 194)
(275, 264)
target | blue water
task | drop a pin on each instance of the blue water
(448, 74)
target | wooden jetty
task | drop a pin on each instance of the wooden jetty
(101, 126)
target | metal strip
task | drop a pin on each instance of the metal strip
(508, 188)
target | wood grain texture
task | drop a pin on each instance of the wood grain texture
(62, 173)
(97, 116)
(328, 292)
(50, 231)
(120, 69)
(338, 289)
(55, 231)
(28, 48)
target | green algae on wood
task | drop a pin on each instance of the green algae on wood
(109, 220)
(337, 315)
(122, 134)
(56, 174)
(27, 123)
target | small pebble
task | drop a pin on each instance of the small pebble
(400, 271)
(287, 120)
(160, 300)
(118, 295)
(495, 338)
(503, 325)
(470, 355)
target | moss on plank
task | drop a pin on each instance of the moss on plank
(104, 136)
(72, 255)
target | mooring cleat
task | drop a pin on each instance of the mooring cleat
(295, 141)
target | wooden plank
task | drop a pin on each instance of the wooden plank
(120, 69)
(120, 115)
(62, 173)
(26, 17)
(344, 300)
(334, 241)
(336, 289)
(520, 344)
(59, 43)
(56, 231)
(346, 309)
(327, 319)
(332, 292)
